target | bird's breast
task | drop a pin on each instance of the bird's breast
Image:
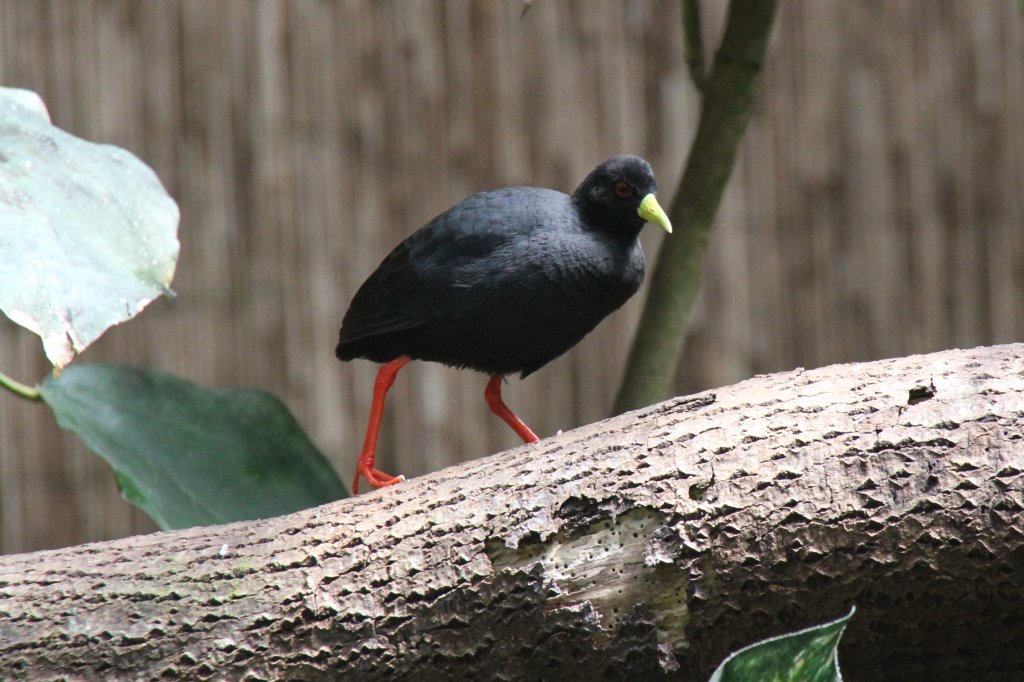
(606, 269)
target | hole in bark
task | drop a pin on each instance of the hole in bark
(918, 394)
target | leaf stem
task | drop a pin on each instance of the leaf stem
(18, 388)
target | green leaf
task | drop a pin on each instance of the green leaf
(806, 656)
(188, 455)
(88, 236)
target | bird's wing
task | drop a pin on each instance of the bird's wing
(386, 302)
(438, 269)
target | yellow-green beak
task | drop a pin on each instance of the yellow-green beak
(652, 212)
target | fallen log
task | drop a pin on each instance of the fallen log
(647, 545)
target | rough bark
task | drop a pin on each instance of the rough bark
(650, 544)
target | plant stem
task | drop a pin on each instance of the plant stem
(18, 388)
(728, 95)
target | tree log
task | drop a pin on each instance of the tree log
(649, 545)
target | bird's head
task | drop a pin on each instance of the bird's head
(618, 196)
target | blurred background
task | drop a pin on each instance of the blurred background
(876, 209)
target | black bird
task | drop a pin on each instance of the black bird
(502, 282)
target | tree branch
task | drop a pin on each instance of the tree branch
(693, 43)
(728, 97)
(650, 544)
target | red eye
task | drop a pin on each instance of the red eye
(623, 190)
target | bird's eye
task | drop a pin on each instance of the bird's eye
(623, 190)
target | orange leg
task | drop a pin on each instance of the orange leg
(364, 467)
(492, 394)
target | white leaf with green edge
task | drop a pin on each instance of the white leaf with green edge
(191, 456)
(806, 656)
(88, 235)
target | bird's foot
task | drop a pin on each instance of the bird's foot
(375, 477)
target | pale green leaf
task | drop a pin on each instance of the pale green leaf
(88, 235)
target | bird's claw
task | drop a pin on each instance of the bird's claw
(375, 477)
